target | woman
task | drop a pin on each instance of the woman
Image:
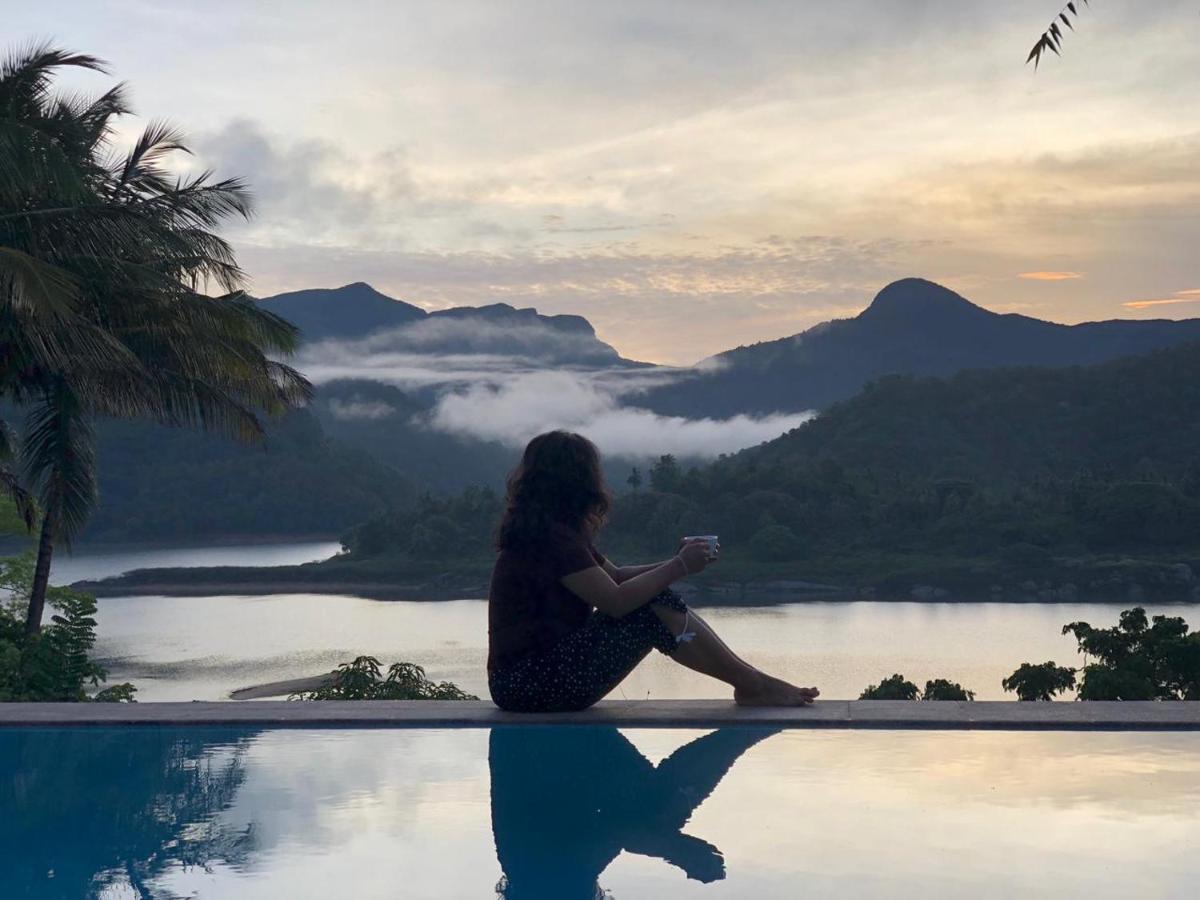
(566, 625)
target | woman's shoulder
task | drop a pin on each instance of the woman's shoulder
(558, 540)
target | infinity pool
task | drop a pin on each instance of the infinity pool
(587, 812)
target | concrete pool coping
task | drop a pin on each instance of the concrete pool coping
(841, 714)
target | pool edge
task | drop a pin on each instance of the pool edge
(825, 714)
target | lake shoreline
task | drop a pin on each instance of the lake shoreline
(1107, 578)
(732, 594)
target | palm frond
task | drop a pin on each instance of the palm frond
(10, 486)
(32, 164)
(26, 73)
(58, 455)
(155, 142)
(1051, 39)
(35, 287)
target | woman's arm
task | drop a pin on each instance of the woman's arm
(621, 574)
(597, 587)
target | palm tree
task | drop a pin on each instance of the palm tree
(116, 255)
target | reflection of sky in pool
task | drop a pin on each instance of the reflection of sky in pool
(551, 812)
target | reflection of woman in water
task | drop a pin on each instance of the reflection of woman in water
(565, 624)
(567, 800)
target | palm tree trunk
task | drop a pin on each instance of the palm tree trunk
(41, 577)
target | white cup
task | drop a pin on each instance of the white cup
(710, 539)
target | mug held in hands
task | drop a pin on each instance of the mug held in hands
(711, 540)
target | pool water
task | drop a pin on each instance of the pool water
(584, 812)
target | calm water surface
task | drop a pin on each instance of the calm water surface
(181, 648)
(552, 814)
(94, 563)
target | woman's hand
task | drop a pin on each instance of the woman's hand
(712, 555)
(694, 555)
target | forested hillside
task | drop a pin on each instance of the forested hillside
(167, 484)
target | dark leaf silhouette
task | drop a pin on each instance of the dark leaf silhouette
(1051, 39)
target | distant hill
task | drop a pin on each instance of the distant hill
(176, 484)
(385, 422)
(913, 327)
(351, 311)
(358, 311)
(1137, 417)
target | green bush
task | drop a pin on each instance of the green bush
(1139, 658)
(1040, 682)
(900, 688)
(52, 665)
(944, 689)
(894, 688)
(361, 680)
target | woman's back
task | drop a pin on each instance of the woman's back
(529, 609)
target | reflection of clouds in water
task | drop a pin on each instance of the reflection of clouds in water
(833, 813)
(1116, 776)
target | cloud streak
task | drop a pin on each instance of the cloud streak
(511, 398)
(1165, 301)
(357, 409)
(1050, 276)
(531, 403)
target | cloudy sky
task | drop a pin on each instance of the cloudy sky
(688, 175)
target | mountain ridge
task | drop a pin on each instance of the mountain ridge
(912, 327)
(357, 310)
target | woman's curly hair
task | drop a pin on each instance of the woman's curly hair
(558, 482)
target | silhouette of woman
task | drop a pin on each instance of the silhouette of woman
(567, 801)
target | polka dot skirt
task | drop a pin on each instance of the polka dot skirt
(587, 663)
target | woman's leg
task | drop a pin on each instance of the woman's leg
(590, 662)
(706, 653)
(583, 666)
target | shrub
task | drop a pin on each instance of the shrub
(1040, 682)
(1139, 658)
(894, 688)
(361, 680)
(53, 664)
(944, 689)
(899, 688)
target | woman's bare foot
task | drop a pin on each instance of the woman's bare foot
(773, 691)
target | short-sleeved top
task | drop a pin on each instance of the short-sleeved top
(529, 609)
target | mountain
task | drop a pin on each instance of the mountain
(358, 311)
(913, 327)
(351, 311)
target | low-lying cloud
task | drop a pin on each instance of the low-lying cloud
(531, 403)
(509, 398)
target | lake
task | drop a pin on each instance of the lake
(184, 648)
